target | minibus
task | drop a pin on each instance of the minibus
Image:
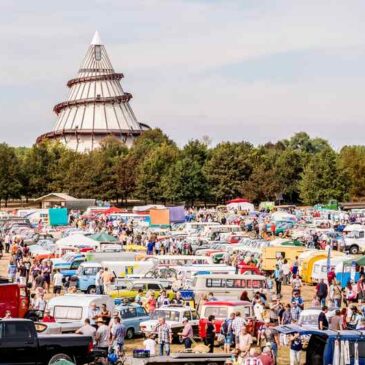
(229, 286)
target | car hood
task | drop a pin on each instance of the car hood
(153, 322)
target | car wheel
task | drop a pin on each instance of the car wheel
(130, 333)
(91, 290)
(354, 250)
(58, 357)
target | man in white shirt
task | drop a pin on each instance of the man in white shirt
(258, 310)
(150, 345)
(99, 285)
(93, 314)
(57, 282)
(87, 329)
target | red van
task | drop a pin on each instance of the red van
(15, 298)
(222, 310)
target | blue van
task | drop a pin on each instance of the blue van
(86, 275)
(322, 349)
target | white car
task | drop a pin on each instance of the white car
(173, 315)
(308, 318)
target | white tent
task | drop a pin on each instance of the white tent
(241, 206)
(283, 216)
(77, 240)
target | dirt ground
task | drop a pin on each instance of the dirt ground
(137, 343)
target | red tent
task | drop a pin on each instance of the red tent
(113, 210)
(238, 200)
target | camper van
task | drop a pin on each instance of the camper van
(229, 286)
(270, 255)
(178, 260)
(320, 269)
(71, 310)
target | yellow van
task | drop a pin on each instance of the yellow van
(272, 253)
(308, 262)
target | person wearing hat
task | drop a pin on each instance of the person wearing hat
(187, 333)
(102, 335)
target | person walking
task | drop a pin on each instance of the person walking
(99, 286)
(164, 336)
(210, 333)
(278, 277)
(322, 319)
(57, 282)
(118, 335)
(295, 349)
(187, 334)
(322, 292)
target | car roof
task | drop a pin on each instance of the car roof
(175, 307)
(227, 303)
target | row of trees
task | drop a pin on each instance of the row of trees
(297, 170)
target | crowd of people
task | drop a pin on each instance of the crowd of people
(236, 335)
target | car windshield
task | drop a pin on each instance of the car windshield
(169, 315)
(309, 319)
(218, 312)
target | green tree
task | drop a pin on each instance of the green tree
(323, 179)
(227, 167)
(10, 180)
(151, 171)
(352, 162)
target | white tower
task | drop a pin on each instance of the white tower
(97, 105)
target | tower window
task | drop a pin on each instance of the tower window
(98, 53)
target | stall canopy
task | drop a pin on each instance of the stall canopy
(58, 216)
(77, 240)
(177, 214)
(113, 210)
(360, 261)
(160, 217)
(240, 204)
(103, 237)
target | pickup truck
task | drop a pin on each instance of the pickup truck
(20, 344)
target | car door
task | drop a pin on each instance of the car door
(195, 322)
(17, 343)
(142, 315)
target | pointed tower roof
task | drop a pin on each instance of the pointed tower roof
(97, 104)
(96, 39)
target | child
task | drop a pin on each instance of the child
(150, 345)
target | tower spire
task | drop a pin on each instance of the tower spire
(96, 41)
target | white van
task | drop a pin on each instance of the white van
(229, 286)
(193, 270)
(178, 260)
(122, 269)
(71, 310)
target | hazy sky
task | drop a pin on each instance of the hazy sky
(251, 70)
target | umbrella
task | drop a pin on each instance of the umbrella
(103, 237)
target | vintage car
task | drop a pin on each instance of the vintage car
(132, 315)
(174, 315)
(130, 290)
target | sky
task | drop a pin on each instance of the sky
(253, 70)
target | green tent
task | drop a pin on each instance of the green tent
(292, 243)
(360, 261)
(103, 237)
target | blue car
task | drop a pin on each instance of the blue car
(132, 315)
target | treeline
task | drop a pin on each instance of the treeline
(298, 170)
